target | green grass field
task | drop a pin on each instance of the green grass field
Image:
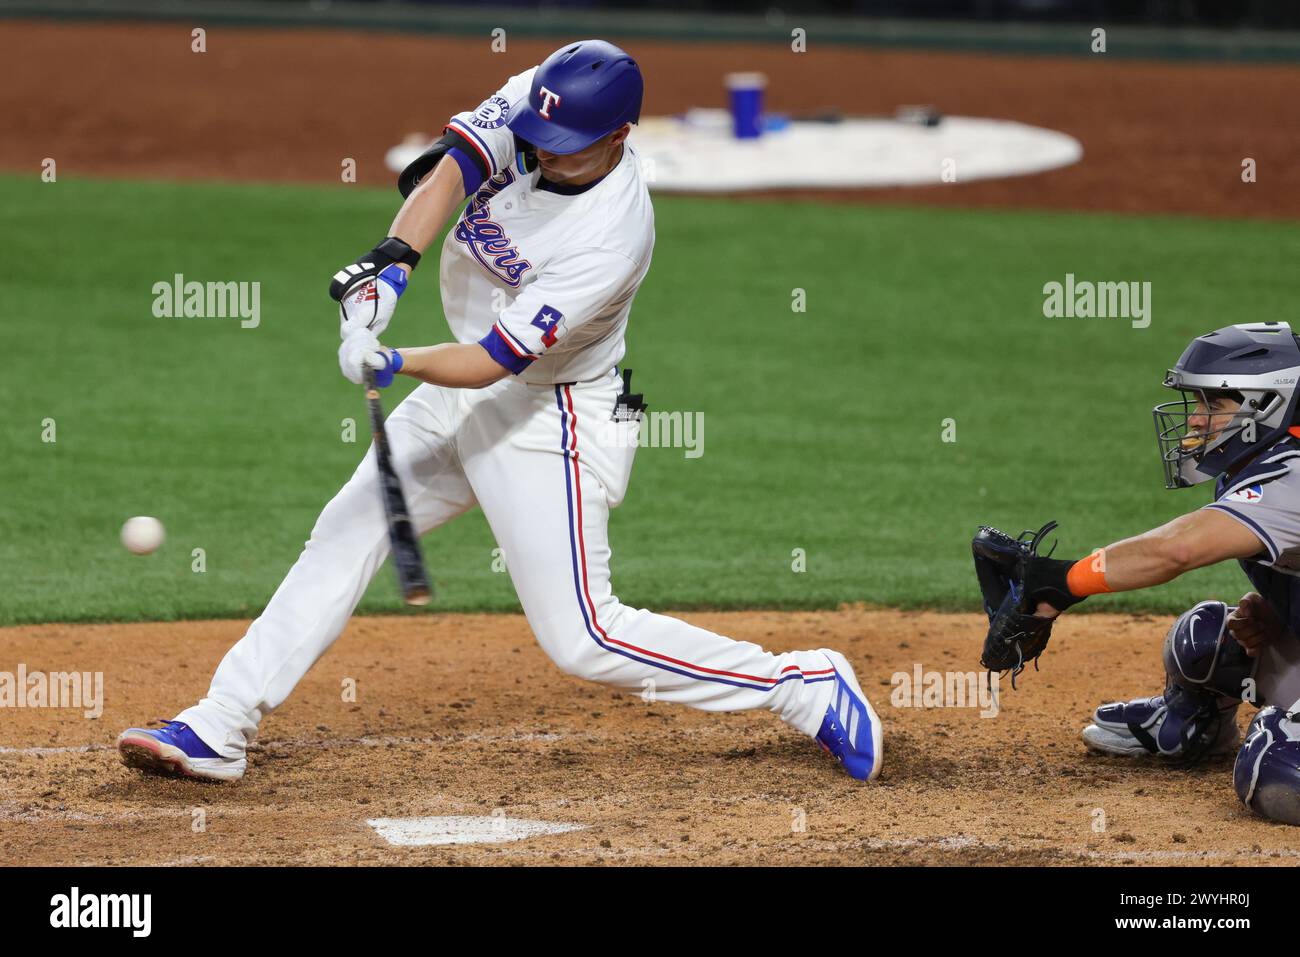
(823, 427)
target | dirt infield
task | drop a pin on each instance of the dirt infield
(464, 715)
(133, 100)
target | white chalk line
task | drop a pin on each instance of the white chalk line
(960, 842)
(190, 861)
(375, 741)
(14, 811)
(366, 741)
(71, 749)
(955, 843)
(1190, 855)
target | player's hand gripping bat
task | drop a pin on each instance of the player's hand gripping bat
(412, 578)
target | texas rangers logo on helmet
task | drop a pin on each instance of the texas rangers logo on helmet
(549, 100)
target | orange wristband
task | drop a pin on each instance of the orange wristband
(1087, 576)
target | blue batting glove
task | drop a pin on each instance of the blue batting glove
(396, 278)
(392, 365)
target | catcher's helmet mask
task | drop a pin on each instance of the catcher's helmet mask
(1257, 364)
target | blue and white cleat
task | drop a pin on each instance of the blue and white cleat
(851, 731)
(175, 750)
(1176, 725)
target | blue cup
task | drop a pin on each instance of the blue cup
(746, 95)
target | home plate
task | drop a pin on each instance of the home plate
(424, 831)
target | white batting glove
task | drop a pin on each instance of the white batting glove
(359, 350)
(370, 302)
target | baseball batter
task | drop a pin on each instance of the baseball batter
(526, 415)
(1237, 421)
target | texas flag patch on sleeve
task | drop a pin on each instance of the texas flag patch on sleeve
(548, 320)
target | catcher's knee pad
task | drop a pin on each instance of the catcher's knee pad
(1202, 657)
(1267, 773)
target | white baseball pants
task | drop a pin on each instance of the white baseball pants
(546, 463)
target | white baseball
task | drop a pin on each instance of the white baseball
(142, 534)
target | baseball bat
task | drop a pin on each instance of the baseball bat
(412, 578)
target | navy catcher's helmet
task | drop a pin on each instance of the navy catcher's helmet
(580, 93)
(1255, 363)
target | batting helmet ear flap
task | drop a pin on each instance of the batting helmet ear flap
(525, 155)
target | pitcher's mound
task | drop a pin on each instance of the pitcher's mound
(696, 153)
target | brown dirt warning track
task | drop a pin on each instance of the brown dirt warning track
(464, 715)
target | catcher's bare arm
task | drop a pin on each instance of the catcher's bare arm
(1200, 538)
(1024, 591)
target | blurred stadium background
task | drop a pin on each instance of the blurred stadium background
(730, 18)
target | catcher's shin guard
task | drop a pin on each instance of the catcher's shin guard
(1208, 676)
(1267, 773)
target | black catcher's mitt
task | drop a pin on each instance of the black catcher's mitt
(1014, 578)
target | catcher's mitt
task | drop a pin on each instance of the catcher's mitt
(1014, 578)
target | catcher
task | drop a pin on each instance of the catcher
(1236, 422)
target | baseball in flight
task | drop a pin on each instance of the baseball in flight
(143, 534)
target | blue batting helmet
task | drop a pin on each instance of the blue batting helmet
(581, 92)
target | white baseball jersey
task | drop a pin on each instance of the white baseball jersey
(542, 274)
(544, 280)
